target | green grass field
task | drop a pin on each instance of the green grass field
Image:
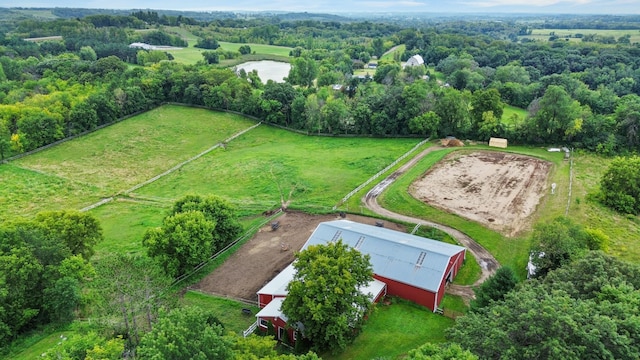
(544, 34)
(317, 171)
(388, 56)
(512, 113)
(392, 330)
(130, 152)
(228, 311)
(192, 55)
(25, 192)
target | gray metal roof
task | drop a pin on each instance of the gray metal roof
(402, 257)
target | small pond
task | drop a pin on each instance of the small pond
(267, 69)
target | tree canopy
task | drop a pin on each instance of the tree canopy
(584, 309)
(620, 185)
(194, 230)
(325, 294)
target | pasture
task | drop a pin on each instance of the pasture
(132, 151)
(570, 34)
(511, 115)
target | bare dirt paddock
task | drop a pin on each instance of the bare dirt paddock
(497, 189)
(267, 253)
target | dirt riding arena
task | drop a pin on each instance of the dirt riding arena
(497, 189)
(267, 253)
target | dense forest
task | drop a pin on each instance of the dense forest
(63, 77)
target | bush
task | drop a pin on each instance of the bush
(620, 185)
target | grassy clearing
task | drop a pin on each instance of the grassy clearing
(317, 171)
(228, 311)
(623, 229)
(124, 223)
(389, 55)
(187, 56)
(544, 34)
(511, 114)
(392, 330)
(34, 345)
(25, 192)
(257, 48)
(132, 151)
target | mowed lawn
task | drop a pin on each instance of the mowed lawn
(257, 48)
(257, 168)
(392, 330)
(132, 151)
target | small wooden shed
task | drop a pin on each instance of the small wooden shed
(498, 142)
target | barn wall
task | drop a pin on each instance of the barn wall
(264, 299)
(277, 324)
(418, 296)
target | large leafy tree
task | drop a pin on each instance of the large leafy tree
(128, 293)
(79, 231)
(588, 309)
(431, 351)
(303, 71)
(556, 243)
(186, 333)
(495, 288)
(555, 114)
(325, 296)
(195, 229)
(620, 185)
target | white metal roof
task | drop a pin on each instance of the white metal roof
(272, 310)
(278, 285)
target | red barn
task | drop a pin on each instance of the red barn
(404, 265)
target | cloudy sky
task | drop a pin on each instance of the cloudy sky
(335, 6)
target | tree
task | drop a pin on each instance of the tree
(587, 309)
(245, 49)
(620, 185)
(303, 71)
(40, 129)
(556, 112)
(453, 111)
(195, 229)
(88, 54)
(431, 351)
(556, 243)
(211, 57)
(214, 209)
(129, 292)
(425, 124)
(325, 296)
(184, 241)
(207, 43)
(80, 232)
(494, 288)
(186, 333)
(483, 101)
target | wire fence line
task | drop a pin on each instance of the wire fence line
(566, 210)
(247, 234)
(173, 169)
(380, 173)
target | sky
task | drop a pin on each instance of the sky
(336, 6)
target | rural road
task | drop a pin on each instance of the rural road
(487, 262)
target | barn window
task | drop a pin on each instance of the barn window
(359, 243)
(281, 333)
(337, 235)
(264, 323)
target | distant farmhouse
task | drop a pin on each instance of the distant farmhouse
(404, 265)
(415, 60)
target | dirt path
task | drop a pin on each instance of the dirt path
(487, 262)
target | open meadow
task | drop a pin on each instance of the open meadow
(570, 34)
(132, 151)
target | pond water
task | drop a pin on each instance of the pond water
(267, 69)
